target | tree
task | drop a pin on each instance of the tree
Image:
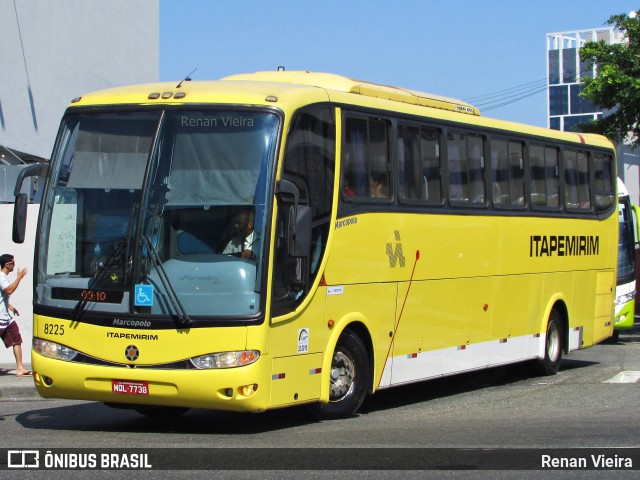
(616, 86)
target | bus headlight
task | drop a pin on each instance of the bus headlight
(627, 297)
(54, 350)
(226, 359)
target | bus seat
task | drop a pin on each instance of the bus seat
(539, 199)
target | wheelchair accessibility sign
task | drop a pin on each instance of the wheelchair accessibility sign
(144, 296)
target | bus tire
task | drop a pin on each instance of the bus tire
(349, 379)
(553, 345)
(615, 337)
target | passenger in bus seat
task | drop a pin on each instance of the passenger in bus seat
(378, 187)
(348, 184)
(347, 190)
(241, 245)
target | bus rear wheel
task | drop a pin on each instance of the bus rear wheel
(349, 379)
(550, 363)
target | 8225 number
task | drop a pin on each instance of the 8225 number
(53, 329)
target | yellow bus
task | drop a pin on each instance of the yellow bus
(287, 237)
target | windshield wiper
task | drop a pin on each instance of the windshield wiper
(121, 249)
(114, 258)
(183, 316)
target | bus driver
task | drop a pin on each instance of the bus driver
(242, 243)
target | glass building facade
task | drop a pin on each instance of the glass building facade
(566, 109)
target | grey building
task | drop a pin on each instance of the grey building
(52, 52)
(55, 51)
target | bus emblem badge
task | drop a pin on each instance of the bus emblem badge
(395, 255)
(132, 353)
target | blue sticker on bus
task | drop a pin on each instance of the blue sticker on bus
(144, 296)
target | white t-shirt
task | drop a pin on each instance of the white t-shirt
(5, 316)
(238, 244)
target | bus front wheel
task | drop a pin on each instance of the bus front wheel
(349, 379)
(550, 363)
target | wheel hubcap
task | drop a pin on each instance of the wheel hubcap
(343, 373)
(553, 344)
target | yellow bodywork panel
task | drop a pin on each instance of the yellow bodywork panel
(295, 379)
(154, 346)
(605, 289)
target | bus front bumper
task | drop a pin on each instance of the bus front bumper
(243, 389)
(624, 319)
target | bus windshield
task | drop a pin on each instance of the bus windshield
(626, 245)
(158, 213)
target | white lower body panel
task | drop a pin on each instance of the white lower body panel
(420, 366)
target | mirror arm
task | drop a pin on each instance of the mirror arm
(33, 170)
(287, 186)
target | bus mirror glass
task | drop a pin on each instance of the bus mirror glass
(604, 201)
(299, 234)
(20, 217)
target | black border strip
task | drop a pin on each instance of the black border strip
(322, 459)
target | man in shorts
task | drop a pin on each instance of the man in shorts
(9, 331)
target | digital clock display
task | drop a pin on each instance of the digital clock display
(87, 295)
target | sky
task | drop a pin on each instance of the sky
(457, 48)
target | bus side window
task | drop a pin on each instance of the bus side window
(516, 173)
(456, 160)
(476, 169)
(411, 185)
(507, 173)
(466, 169)
(499, 172)
(552, 176)
(366, 159)
(544, 171)
(604, 185)
(419, 166)
(576, 177)
(354, 181)
(378, 160)
(431, 166)
(536, 172)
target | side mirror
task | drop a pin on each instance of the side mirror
(22, 199)
(20, 218)
(299, 234)
(299, 230)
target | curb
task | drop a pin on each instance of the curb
(14, 388)
(12, 394)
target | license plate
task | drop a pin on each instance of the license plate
(129, 388)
